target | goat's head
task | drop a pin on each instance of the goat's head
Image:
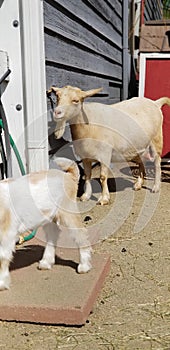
(69, 105)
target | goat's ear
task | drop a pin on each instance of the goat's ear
(53, 89)
(90, 92)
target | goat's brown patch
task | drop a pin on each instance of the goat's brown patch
(5, 220)
(7, 180)
(71, 189)
(36, 177)
(46, 213)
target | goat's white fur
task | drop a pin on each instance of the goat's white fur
(119, 132)
(35, 200)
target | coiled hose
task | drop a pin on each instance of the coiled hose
(21, 166)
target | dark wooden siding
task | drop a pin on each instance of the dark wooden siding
(83, 45)
(153, 10)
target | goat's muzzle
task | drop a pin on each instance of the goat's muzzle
(58, 114)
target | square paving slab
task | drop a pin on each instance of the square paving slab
(58, 296)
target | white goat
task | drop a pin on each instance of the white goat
(120, 132)
(35, 200)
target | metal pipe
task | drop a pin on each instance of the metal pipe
(125, 50)
(142, 11)
(6, 130)
(5, 75)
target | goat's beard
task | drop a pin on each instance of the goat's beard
(59, 131)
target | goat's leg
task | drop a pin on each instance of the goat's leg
(48, 259)
(80, 237)
(105, 196)
(6, 249)
(156, 150)
(4, 274)
(88, 188)
(140, 180)
(157, 182)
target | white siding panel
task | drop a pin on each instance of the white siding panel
(12, 90)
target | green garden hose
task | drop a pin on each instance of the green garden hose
(21, 166)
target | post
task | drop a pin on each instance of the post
(33, 63)
(126, 57)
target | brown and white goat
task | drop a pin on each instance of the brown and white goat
(35, 200)
(120, 132)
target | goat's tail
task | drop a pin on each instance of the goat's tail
(163, 101)
(68, 165)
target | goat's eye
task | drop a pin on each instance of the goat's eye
(75, 101)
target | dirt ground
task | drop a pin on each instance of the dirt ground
(132, 311)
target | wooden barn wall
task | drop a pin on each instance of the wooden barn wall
(83, 45)
(153, 10)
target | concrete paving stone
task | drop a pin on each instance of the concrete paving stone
(56, 296)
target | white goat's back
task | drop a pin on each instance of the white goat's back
(125, 130)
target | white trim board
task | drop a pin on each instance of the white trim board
(142, 69)
(34, 91)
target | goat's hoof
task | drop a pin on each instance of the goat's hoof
(44, 265)
(85, 197)
(137, 186)
(103, 201)
(84, 268)
(4, 284)
(155, 189)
